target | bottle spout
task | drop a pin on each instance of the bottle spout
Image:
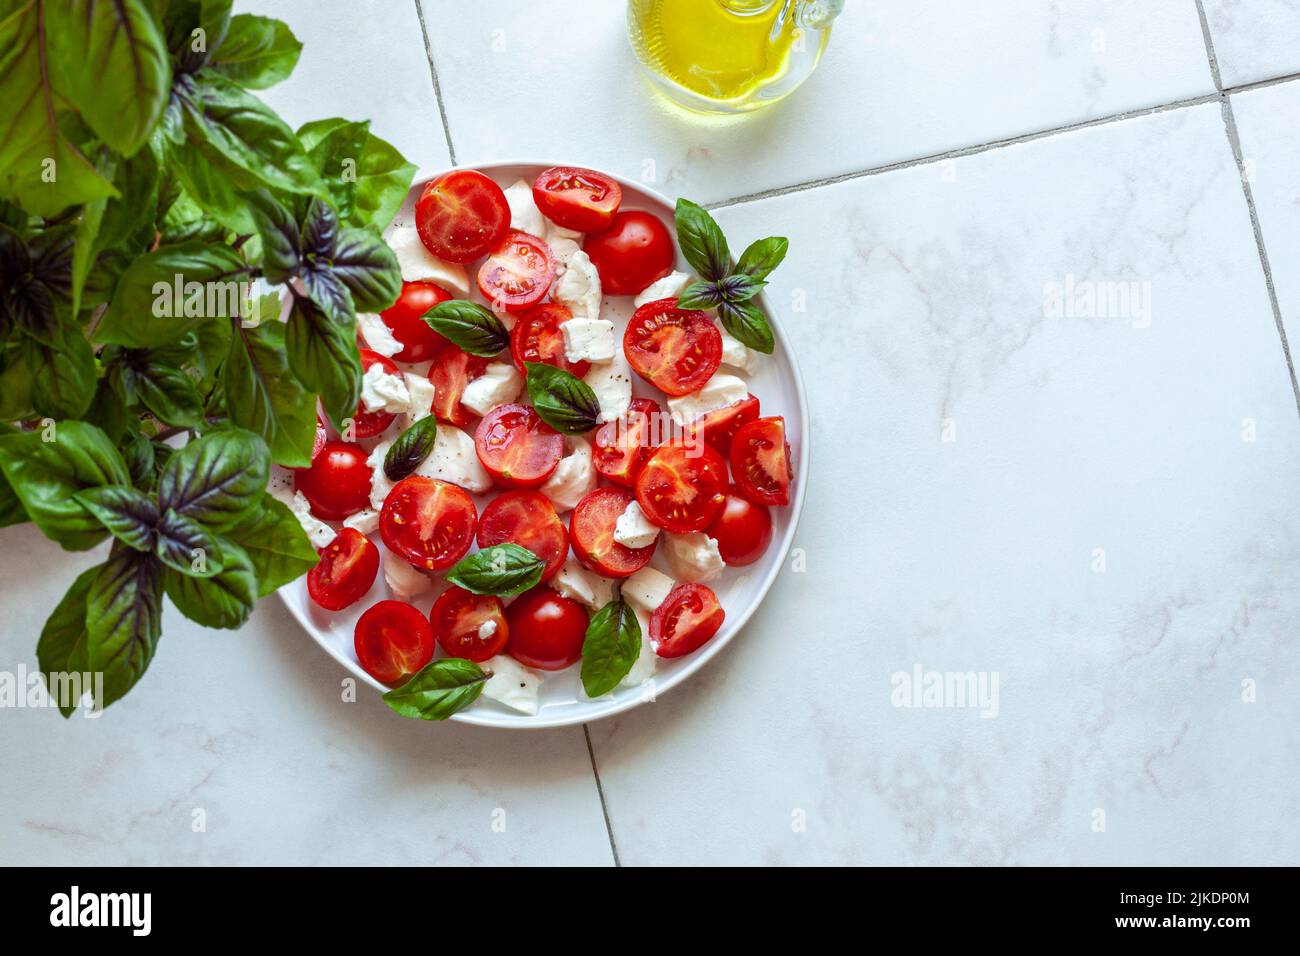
(818, 14)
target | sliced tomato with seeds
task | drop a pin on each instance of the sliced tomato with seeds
(518, 449)
(405, 319)
(718, 427)
(576, 198)
(346, 570)
(536, 337)
(451, 371)
(430, 523)
(393, 641)
(760, 461)
(518, 272)
(461, 215)
(683, 488)
(688, 617)
(675, 350)
(469, 625)
(368, 424)
(622, 447)
(528, 519)
(591, 531)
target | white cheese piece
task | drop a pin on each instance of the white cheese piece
(564, 243)
(500, 383)
(382, 391)
(380, 486)
(512, 684)
(453, 459)
(644, 667)
(421, 405)
(418, 263)
(576, 582)
(280, 485)
(633, 529)
(403, 580)
(718, 392)
(588, 340)
(647, 589)
(318, 532)
(694, 556)
(366, 520)
(612, 383)
(378, 336)
(669, 287)
(486, 630)
(574, 477)
(579, 288)
(737, 354)
(524, 214)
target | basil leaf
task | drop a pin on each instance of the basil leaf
(123, 620)
(263, 396)
(702, 241)
(704, 294)
(740, 288)
(410, 448)
(47, 475)
(611, 647)
(275, 544)
(368, 178)
(563, 401)
(281, 237)
(216, 479)
(322, 351)
(257, 52)
(439, 690)
(61, 650)
(223, 600)
(334, 151)
(503, 570)
(138, 451)
(745, 322)
(762, 256)
(186, 546)
(368, 267)
(128, 514)
(163, 389)
(65, 373)
(469, 326)
(320, 230)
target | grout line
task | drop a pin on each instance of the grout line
(600, 790)
(437, 87)
(1262, 84)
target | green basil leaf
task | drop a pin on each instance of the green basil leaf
(263, 396)
(439, 690)
(222, 600)
(129, 515)
(322, 351)
(139, 454)
(257, 52)
(410, 448)
(469, 326)
(108, 413)
(217, 479)
(503, 570)
(186, 546)
(64, 375)
(281, 237)
(762, 256)
(744, 321)
(47, 475)
(563, 401)
(740, 288)
(702, 241)
(334, 150)
(123, 620)
(11, 506)
(611, 647)
(276, 545)
(704, 294)
(165, 390)
(61, 650)
(364, 263)
(367, 177)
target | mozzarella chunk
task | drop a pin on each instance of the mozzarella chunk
(382, 391)
(718, 392)
(579, 288)
(644, 667)
(573, 478)
(612, 383)
(588, 340)
(564, 243)
(418, 263)
(576, 582)
(453, 459)
(378, 336)
(403, 580)
(736, 353)
(318, 532)
(279, 485)
(421, 405)
(500, 383)
(512, 684)
(380, 486)
(524, 214)
(633, 529)
(366, 521)
(669, 287)
(647, 589)
(694, 556)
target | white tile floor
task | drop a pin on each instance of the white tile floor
(1097, 507)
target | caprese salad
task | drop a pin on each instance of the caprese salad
(502, 465)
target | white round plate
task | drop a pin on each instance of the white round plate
(780, 389)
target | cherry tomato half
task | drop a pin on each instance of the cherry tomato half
(518, 449)
(743, 530)
(622, 447)
(528, 519)
(428, 522)
(719, 427)
(468, 625)
(536, 337)
(451, 371)
(634, 251)
(546, 629)
(461, 215)
(405, 319)
(369, 424)
(393, 640)
(346, 570)
(675, 350)
(688, 617)
(337, 483)
(681, 488)
(518, 271)
(576, 198)
(591, 531)
(760, 461)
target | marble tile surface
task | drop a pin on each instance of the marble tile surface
(1254, 39)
